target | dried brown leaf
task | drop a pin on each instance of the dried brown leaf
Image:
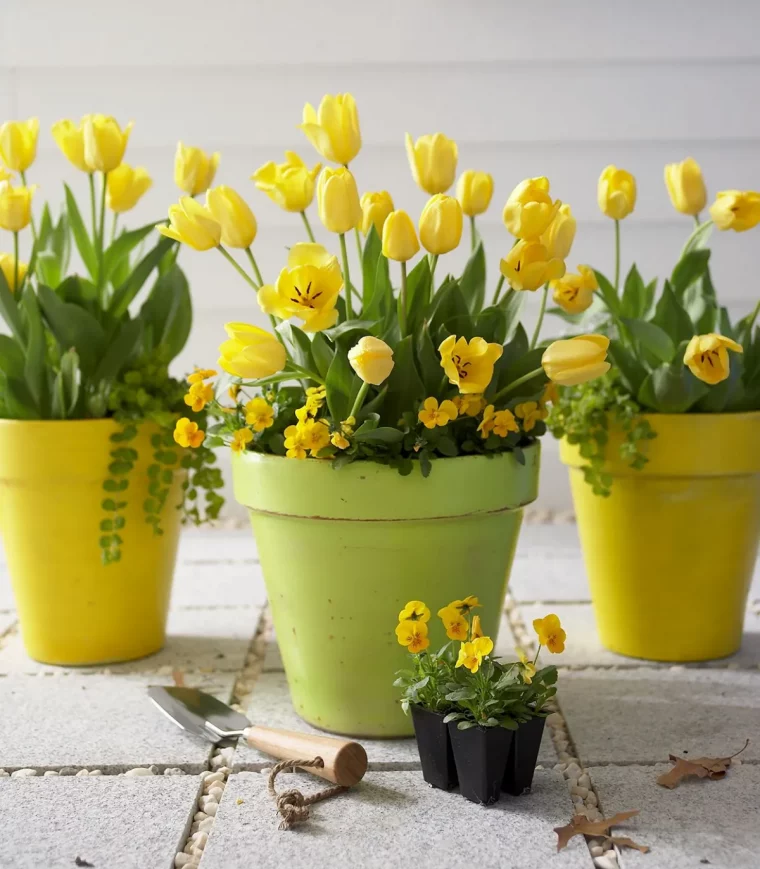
(702, 767)
(625, 842)
(580, 825)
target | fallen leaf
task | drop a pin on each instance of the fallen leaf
(580, 825)
(703, 767)
(179, 678)
(625, 842)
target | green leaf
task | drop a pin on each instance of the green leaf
(473, 280)
(405, 388)
(631, 370)
(35, 368)
(634, 302)
(123, 296)
(10, 312)
(607, 292)
(383, 435)
(671, 389)
(373, 247)
(689, 269)
(429, 361)
(378, 295)
(699, 238)
(491, 324)
(322, 354)
(81, 237)
(727, 394)
(11, 357)
(168, 311)
(66, 386)
(122, 247)
(74, 327)
(671, 317)
(339, 382)
(418, 290)
(512, 304)
(652, 338)
(19, 401)
(298, 344)
(348, 326)
(120, 351)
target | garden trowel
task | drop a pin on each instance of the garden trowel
(345, 762)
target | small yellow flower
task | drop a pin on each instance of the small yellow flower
(70, 139)
(347, 425)
(454, 623)
(400, 241)
(201, 374)
(125, 186)
(474, 192)
(527, 667)
(686, 186)
(187, 433)
(469, 365)
(259, 414)
(530, 412)
(500, 422)
(233, 214)
(530, 208)
(194, 169)
(315, 434)
(550, 393)
(414, 611)
(241, 438)
(413, 635)
(290, 184)
(471, 602)
(441, 224)
(104, 142)
(736, 209)
(433, 161)
(334, 129)
(295, 442)
(233, 391)
(15, 206)
(471, 654)
(550, 633)
(559, 236)
(529, 265)
(433, 414)
(339, 440)
(192, 224)
(338, 200)
(18, 143)
(469, 405)
(707, 357)
(375, 209)
(477, 630)
(8, 268)
(199, 395)
(575, 293)
(616, 193)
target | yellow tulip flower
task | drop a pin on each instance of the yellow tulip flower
(15, 206)
(125, 186)
(400, 241)
(413, 635)
(415, 611)
(187, 433)
(194, 169)
(707, 357)
(104, 142)
(474, 192)
(550, 633)
(559, 235)
(307, 287)
(441, 224)
(686, 186)
(530, 208)
(371, 359)
(433, 414)
(338, 200)
(736, 209)
(192, 224)
(8, 268)
(576, 360)
(234, 216)
(375, 209)
(433, 161)
(251, 352)
(529, 265)
(454, 622)
(469, 365)
(334, 129)
(574, 293)
(616, 192)
(290, 184)
(70, 139)
(18, 143)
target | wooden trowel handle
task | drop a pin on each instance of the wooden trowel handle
(345, 761)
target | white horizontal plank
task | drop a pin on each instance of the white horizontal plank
(93, 33)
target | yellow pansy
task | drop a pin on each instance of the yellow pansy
(574, 293)
(470, 404)
(338, 200)
(471, 602)
(433, 414)
(232, 213)
(550, 393)
(187, 433)
(527, 667)
(125, 186)
(104, 142)
(560, 234)
(530, 412)
(295, 442)
(314, 434)
(70, 139)
(400, 241)
(550, 633)
(339, 440)
(529, 265)
(441, 224)
(194, 169)
(334, 129)
(477, 629)
(454, 622)
(471, 654)
(415, 611)
(199, 395)
(18, 143)
(707, 357)
(469, 365)
(413, 635)
(372, 359)
(15, 206)
(8, 268)
(736, 209)
(307, 288)
(251, 352)
(375, 209)
(233, 391)
(474, 192)
(201, 374)
(530, 208)
(576, 360)
(259, 414)
(241, 438)
(290, 184)
(616, 192)
(433, 161)
(500, 422)
(193, 225)
(686, 186)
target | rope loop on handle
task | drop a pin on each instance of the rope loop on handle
(292, 805)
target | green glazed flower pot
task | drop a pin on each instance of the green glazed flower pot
(343, 551)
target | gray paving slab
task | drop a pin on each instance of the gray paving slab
(96, 722)
(700, 823)
(7, 620)
(108, 821)
(548, 565)
(393, 819)
(217, 546)
(218, 583)
(642, 716)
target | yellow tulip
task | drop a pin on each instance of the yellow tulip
(529, 265)
(194, 169)
(338, 200)
(530, 209)
(8, 268)
(5, 176)
(576, 360)
(334, 129)
(474, 192)
(290, 184)
(233, 214)
(104, 142)
(70, 139)
(15, 206)
(575, 293)
(125, 186)
(441, 224)
(308, 287)
(250, 352)
(469, 365)
(616, 192)
(560, 234)
(192, 224)
(736, 209)
(399, 237)
(707, 357)
(18, 143)
(686, 186)
(375, 209)
(550, 633)
(371, 359)
(433, 161)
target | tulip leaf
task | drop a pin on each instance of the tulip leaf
(699, 238)
(651, 338)
(81, 237)
(607, 292)
(11, 357)
(66, 386)
(348, 326)
(671, 388)
(339, 383)
(418, 289)
(688, 269)
(383, 434)
(299, 346)
(370, 257)
(323, 354)
(10, 312)
(73, 327)
(491, 324)
(671, 317)
(634, 301)
(168, 311)
(126, 292)
(121, 350)
(429, 362)
(378, 296)
(123, 246)
(473, 280)
(449, 308)
(513, 351)
(512, 304)
(530, 361)
(631, 370)
(19, 401)
(405, 388)
(724, 322)
(35, 368)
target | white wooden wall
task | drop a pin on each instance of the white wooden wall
(541, 88)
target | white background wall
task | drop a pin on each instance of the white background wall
(540, 88)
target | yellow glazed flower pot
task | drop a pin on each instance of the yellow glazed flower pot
(74, 610)
(343, 551)
(670, 553)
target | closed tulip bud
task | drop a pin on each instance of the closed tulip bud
(338, 200)
(125, 186)
(192, 224)
(375, 209)
(686, 186)
(474, 192)
(616, 192)
(194, 169)
(399, 237)
(576, 360)
(250, 352)
(575, 293)
(15, 206)
(18, 143)
(529, 265)
(233, 214)
(736, 209)
(371, 359)
(530, 209)
(290, 184)
(441, 224)
(70, 139)
(8, 268)
(707, 357)
(334, 129)
(433, 161)
(104, 142)
(559, 236)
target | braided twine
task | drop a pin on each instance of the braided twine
(292, 805)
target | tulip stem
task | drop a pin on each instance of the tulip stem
(228, 256)
(510, 387)
(359, 401)
(617, 255)
(346, 276)
(498, 289)
(93, 212)
(539, 322)
(16, 287)
(473, 233)
(305, 373)
(359, 245)
(308, 227)
(102, 231)
(433, 264)
(402, 301)
(113, 225)
(254, 266)
(31, 218)
(697, 221)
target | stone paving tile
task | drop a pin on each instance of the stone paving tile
(96, 722)
(641, 716)
(548, 565)
(108, 821)
(7, 619)
(218, 584)
(393, 819)
(217, 547)
(700, 823)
